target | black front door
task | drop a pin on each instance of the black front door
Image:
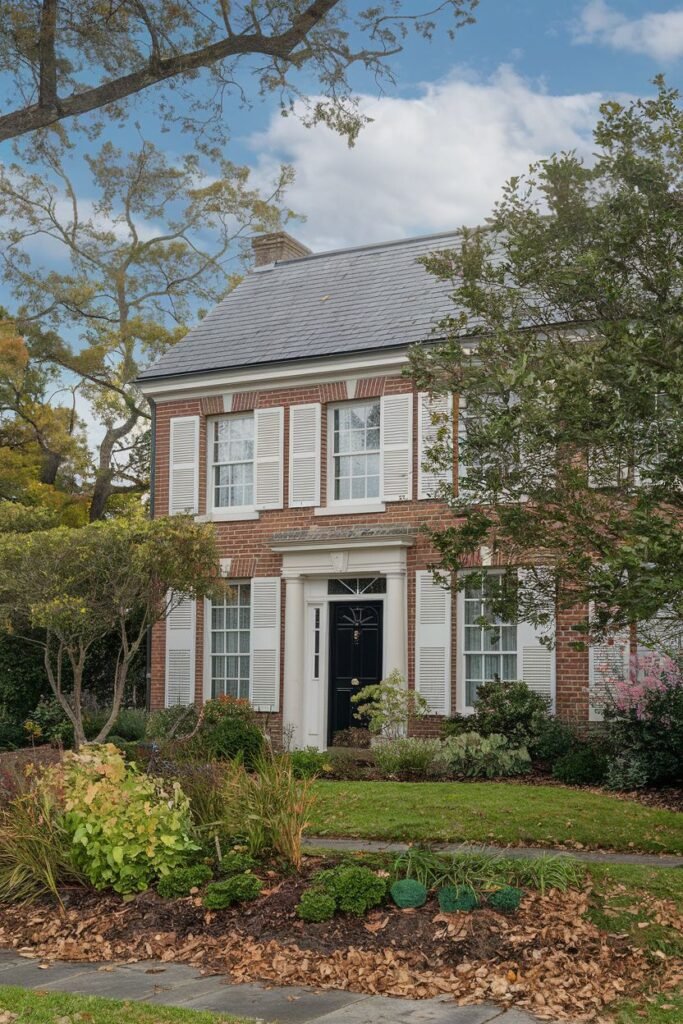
(355, 657)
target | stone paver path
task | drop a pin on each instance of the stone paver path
(180, 985)
(649, 860)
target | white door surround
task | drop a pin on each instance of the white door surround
(307, 566)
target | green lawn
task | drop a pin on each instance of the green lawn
(499, 813)
(36, 1007)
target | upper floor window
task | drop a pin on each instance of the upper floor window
(356, 451)
(232, 461)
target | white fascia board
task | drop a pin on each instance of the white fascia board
(298, 372)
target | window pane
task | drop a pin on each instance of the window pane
(355, 433)
(233, 455)
(472, 638)
(473, 666)
(491, 667)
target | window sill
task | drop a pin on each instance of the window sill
(350, 508)
(228, 516)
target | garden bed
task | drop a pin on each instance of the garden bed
(548, 958)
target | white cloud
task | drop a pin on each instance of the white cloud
(659, 36)
(425, 164)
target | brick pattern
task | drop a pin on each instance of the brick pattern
(245, 401)
(370, 387)
(212, 405)
(247, 544)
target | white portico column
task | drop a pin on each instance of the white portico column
(292, 706)
(395, 624)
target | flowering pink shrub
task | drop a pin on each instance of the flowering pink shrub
(649, 674)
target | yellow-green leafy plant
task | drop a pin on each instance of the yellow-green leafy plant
(127, 829)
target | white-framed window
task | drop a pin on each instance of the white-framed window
(354, 430)
(490, 643)
(231, 453)
(230, 628)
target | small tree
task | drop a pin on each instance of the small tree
(389, 705)
(66, 589)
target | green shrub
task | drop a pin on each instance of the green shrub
(182, 881)
(315, 905)
(238, 889)
(236, 862)
(506, 900)
(52, 722)
(511, 709)
(167, 723)
(454, 898)
(131, 724)
(628, 771)
(583, 766)
(36, 851)
(354, 889)
(475, 756)
(127, 829)
(408, 893)
(12, 734)
(554, 740)
(228, 731)
(407, 754)
(308, 763)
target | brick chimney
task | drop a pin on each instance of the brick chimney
(275, 246)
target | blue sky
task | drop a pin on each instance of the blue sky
(522, 82)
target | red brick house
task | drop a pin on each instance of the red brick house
(284, 418)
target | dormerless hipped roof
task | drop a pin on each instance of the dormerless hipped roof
(327, 304)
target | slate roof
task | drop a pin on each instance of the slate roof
(326, 304)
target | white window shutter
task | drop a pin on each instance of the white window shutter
(433, 643)
(304, 455)
(609, 659)
(535, 661)
(397, 447)
(429, 478)
(183, 475)
(265, 643)
(180, 653)
(268, 457)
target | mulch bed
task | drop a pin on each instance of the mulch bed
(546, 958)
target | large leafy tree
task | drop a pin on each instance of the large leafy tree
(42, 444)
(66, 591)
(131, 265)
(64, 58)
(566, 349)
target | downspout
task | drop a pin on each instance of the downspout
(152, 478)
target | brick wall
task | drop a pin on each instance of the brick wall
(247, 543)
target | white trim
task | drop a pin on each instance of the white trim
(238, 514)
(292, 373)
